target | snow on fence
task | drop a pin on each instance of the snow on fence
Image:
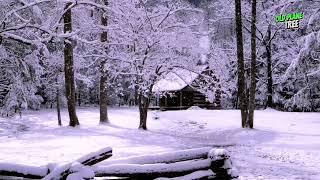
(59, 172)
(200, 163)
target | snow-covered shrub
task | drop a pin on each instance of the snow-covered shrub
(300, 83)
(21, 82)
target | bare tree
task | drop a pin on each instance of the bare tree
(58, 107)
(68, 68)
(246, 96)
(267, 43)
(103, 73)
(241, 71)
(253, 63)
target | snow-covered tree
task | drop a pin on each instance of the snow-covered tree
(151, 42)
(300, 83)
(52, 81)
(19, 38)
(20, 81)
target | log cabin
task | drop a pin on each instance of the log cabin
(179, 89)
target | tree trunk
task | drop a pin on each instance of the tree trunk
(58, 107)
(79, 96)
(253, 63)
(68, 68)
(218, 97)
(104, 74)
(136, 96)
(103, 95)
(241, 70)
(269, 68)
(20, 111)
(143, 110)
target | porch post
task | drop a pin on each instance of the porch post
(181, 100)
(166, 101)
(158, 100)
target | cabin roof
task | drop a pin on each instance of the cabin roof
(177, 79)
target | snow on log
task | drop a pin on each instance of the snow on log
(16, 170)
(216, 161)
(60, 172)
(151, 171)
(95, 157)
(201, 163)
(90, 159)
(203, 174)
(79, 172)
(167, 157)
(221, 164)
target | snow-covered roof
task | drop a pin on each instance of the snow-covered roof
(175, 80)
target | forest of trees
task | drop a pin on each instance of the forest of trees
(71, 53)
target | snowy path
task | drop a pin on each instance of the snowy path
(283, 145)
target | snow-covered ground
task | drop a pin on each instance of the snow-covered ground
(282, 146)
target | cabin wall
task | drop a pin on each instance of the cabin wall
(180, 100)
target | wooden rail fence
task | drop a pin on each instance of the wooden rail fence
(200, 163)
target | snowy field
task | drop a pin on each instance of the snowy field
(282, 145)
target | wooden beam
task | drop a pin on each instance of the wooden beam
(152, 171)
(166, 157)
(166, 100)
(217, 161)
(95, 157)
(218, 166)
(181, 100)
